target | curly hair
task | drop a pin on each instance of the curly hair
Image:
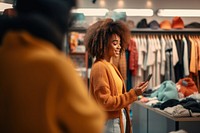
(97, 36)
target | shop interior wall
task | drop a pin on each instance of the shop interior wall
(152, 4)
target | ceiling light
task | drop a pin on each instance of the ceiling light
(91, 11)
(136, 12)
(102, 3)
(4, 6)
(178, 12)
(120, 3)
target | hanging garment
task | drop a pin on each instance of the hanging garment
(185, 58)
(120, 63)
(179, 70)
(133, 57)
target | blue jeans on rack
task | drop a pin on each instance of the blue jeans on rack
(113, 125)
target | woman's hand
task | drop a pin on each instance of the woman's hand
(143, 86)
(139, 89)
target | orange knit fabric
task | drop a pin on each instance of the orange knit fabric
(103, 89)
(40, 90)
(187, 88)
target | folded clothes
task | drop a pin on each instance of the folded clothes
(178, 111)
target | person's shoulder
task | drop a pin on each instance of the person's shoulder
(62, 60)
(99, 64)
(99, 68)
(54, 59)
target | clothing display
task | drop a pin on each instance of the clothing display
(186, 87)
(166, 56)
(166, 25)
(154, 24)
(178, 111)
(177, 23)
(166, 91)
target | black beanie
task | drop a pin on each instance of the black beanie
(56, 11)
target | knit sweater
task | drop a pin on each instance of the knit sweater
(40, 91)
(104, 91)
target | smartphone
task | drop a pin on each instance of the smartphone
(148, 78)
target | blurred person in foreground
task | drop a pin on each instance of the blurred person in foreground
(106, 39)
(40, 91)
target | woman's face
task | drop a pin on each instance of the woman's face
(114, 46)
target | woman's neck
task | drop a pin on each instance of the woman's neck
(108, 59)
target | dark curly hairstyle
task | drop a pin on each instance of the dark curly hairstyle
(97, 36)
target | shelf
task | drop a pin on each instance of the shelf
(163, 113)
(148, 30)
(78, 29)
(147, 118)
(78, 52)
(82, 71)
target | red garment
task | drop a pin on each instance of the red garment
(187, 86)
(133, 57)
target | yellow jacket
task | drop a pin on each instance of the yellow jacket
(104, 91)
(40, 91)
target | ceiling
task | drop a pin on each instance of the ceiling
(7, 1)
(138, 4)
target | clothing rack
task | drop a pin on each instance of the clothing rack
(150, 31)
(147, 32)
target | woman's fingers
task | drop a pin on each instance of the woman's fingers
(144, 86)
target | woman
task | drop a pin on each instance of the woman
(40, 91)
(106, 39)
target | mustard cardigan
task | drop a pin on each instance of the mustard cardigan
(104, 91)
(40, 92)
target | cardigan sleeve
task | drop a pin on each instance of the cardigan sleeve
(103, 89)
